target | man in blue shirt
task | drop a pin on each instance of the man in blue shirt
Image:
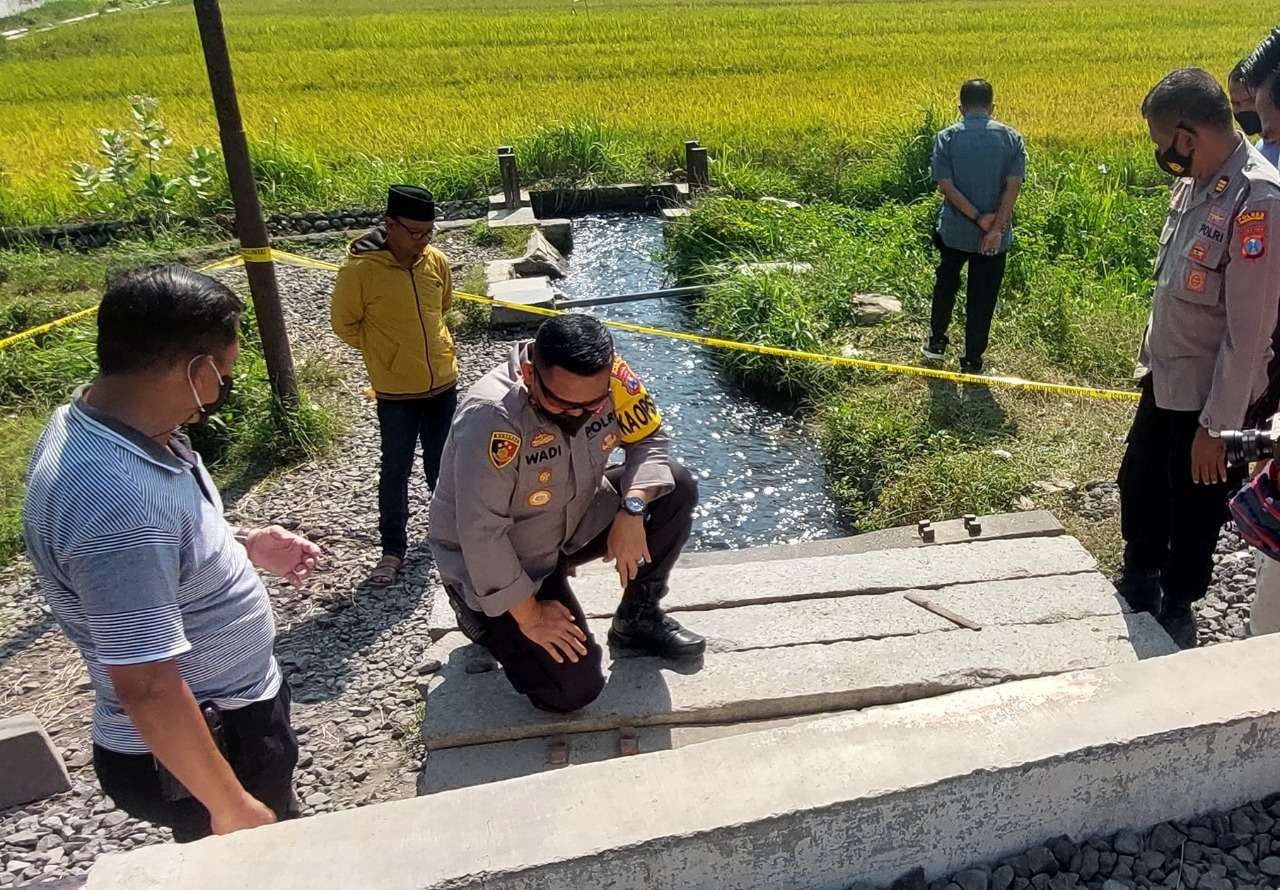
(979, 165)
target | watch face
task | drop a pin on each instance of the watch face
(635, 506)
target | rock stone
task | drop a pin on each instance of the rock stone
(1041, 861)
(912, 880)
(1106, 862)
(1242, 823)
(1127, 843)
(27, 839)
(1064, 880)
(1201, 835)
(317, 799)
(114, 818)
(1019, 865)
(1166, 839)
(1063, 849)
(1270, 866)
(1152, 859)
(1041, 882)
(1090, 864)
(1213, 882)
(1229, 840)
(972, 879)
(1242, 853)
(33, 767)
(872, 309)
(540, 258)
(1113, 884)
(1002, 878)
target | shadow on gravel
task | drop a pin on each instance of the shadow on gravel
(23, 636)
(321, 650)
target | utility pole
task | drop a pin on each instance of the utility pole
(251, 228)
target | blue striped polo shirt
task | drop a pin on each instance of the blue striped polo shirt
(139, 565)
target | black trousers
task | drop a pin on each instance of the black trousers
(985, 276)
(403, 424)
(261, 749)
(569, 686)
(1169, 523)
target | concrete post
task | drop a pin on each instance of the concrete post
(695, 165)
(510, 176)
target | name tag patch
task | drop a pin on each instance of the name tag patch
(1211, 233)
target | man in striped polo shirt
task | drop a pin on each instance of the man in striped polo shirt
(144, 575)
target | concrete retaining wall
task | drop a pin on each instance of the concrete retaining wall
(819, 806)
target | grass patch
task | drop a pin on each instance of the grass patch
(900, 449)
(513, 240)
(337, 113)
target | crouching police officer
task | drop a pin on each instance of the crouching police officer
(525, 496)
(1204, 356)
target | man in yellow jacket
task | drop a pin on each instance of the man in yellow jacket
(390, 300)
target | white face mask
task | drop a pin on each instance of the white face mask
(205, 411)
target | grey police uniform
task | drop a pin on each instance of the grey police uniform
(515, 494)
(1203, 362)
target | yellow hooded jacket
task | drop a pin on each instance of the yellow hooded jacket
(395, 317)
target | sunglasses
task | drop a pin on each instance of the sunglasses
(415, 234)
(593, 407)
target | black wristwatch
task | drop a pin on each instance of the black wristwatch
(635, 506)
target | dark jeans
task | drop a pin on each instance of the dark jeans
(404, 423)
(261, 749)
(567, 687)
(1169, 523)
(985, 275)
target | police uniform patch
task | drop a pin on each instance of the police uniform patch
(1216, 218)
(542, 437)
(503, 448)
(623, 374)
(1221, 185)
(1253, 241)
(539, 498)
(1196, 280)
(544, 477)
(610, 442)
(1251, 216)
(1199, 251)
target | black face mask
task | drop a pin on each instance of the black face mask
(205, 411)
(569, 423)
(1173, 162)
(1250, 122)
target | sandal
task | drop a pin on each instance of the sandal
(385, 572)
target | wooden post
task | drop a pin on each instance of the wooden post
(510, 176)
(251, 228)
(695, 165)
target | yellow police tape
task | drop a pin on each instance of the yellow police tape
(293, 259)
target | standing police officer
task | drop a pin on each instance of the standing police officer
(525, 495)
(1205, 352)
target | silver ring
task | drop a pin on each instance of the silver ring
(641, 562)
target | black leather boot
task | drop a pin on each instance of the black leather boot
(1141, 590)
(1179, 622)
(646, 628)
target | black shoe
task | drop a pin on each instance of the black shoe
(934, 350)
(654, 632)
(1179, 622)
(971, 366)
(1141, 590)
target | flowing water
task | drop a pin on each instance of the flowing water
(759, 469)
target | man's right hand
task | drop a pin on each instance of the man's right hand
(550, 624)
(246, 812)
(986, 221)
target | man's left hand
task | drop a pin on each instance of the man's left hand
(1208, 458)
(628, 546)
(990, 244)
(282, 553)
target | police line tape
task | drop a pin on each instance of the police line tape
(45, 328)
(258, 255)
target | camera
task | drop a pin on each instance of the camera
(1246, 446)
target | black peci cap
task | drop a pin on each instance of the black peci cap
(411, 202)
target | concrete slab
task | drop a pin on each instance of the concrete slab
(452, 768)
(940, 783)
(33, 769)
(714, 586)
(499, 201)
(761, 684)
(522, 291)
(999, 526)
(502, 218)
(846, 619)
(559, 232)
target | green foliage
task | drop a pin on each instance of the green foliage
(133, 177)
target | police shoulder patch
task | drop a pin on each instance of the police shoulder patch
(1221, 185)
(1251, 216)
(638, 416)
(503, 448)
(1253, 241)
